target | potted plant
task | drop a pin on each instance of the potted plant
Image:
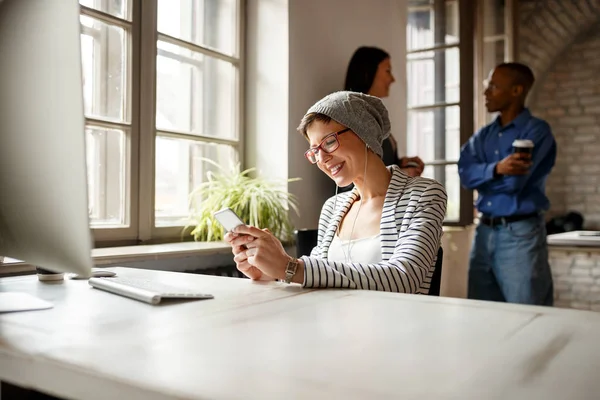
(257, 201)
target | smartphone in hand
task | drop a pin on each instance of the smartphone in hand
(228, 219)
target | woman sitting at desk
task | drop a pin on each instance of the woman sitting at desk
(383, 235)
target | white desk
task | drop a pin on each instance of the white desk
(575, 238)
(263, 341)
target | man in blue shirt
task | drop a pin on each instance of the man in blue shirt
(509, 258)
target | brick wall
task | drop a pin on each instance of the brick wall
(576, 276)
(548, 27)
(569, 99)
(560, 40)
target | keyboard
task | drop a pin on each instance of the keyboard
(148, 291)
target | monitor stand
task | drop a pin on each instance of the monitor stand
(20, 301)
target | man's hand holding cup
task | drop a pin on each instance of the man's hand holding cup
(519, 162)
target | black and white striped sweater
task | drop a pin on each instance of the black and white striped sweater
(411, 232)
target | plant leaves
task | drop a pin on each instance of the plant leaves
(259, 202)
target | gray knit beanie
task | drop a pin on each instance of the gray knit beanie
(365, 115)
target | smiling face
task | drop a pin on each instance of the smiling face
(344, 164)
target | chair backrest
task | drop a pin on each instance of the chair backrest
(306, 240)
(436, 279)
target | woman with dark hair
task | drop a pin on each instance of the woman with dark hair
(370, 72)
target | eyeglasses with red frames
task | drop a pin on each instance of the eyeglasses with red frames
(329, 144)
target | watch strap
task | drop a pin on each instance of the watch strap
(290, 270)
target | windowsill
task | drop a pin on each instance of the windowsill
(124, 254)
(113, 255)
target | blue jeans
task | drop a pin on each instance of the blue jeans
(509, 263)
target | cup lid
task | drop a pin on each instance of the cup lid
(522, 143)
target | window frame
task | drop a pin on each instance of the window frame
(509, 37)
(175, 232)
(140, 24)
(465, 45)
(129, 230)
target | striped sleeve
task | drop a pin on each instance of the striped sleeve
(409, 267)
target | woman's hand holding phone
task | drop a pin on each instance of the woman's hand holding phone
(239, 249)
(254, 250)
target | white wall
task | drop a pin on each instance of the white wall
(323, 35)
(267, 87)
(456, 243)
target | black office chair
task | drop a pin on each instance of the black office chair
(436, 278)
(306, 240)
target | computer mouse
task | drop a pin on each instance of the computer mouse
(102, 273)
(96, 273)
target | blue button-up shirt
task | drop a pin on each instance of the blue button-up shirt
(508, 195)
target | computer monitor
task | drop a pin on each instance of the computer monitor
(44, 217)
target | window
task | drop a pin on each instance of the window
(495, 44)
(162, 92)
(106, 51)
(439, 102)
(197, 92)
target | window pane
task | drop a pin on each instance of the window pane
(104, 61)
(447, 175)
(179, 169)
(433, 77)
(209, 23)
(434, 134)
(493, 54)
(493, 17)
(118, 8)
(107, 176)
(195, 93)
(427, 28)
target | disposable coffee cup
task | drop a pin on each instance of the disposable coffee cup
(521, 146)
(46, 275)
